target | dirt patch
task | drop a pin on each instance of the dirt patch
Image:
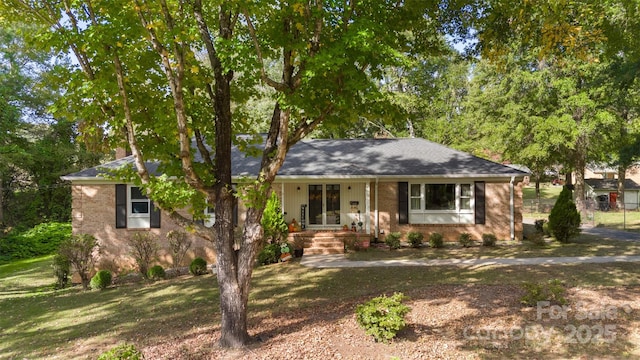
(446, 322)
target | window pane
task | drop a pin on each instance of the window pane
(315, 204)
(415, 190)
(136, 193)
(440, 196)
(333, 204)
(465, 190)
(415, 204)
(465, 204)
(140, 207)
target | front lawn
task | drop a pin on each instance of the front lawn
(299, 312)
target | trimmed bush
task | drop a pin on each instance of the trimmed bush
(564, 220)
(101, 280)
(122, 352)
(415, 239)
(552, 291)
(393, 240)
(489, 240)
(198, 267)
(270, 254)
(62, 270)
(382, 317)
(42, 239)
(436, 240)
(465, 240)
(156, 273)
(144, 249)
(80, 250)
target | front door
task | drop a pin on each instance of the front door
(324, 204)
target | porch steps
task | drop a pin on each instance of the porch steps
(323, 242)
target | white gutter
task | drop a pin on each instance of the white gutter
(512, 222)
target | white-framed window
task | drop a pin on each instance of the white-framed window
(139, 208)
(440, 203)
(209, 216)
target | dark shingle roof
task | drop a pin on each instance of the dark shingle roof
(611, 184)
(356, 158)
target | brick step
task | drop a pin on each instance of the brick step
(323, 243)
(326, 251)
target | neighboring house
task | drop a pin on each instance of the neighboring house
(387, 185)
(605, 193)
(595, 171)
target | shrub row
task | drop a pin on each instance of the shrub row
(436, 240)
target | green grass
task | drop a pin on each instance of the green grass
(27, 277)
(628, 220)
(37, 324)
(547, 192)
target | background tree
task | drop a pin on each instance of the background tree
(35, 148)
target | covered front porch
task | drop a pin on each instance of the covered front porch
(327, 204)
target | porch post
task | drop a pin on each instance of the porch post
(282, 198)
(375, 213)
(367, 205)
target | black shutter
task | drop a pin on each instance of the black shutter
(403, 202)
(154, 212)
(480, 203)
(121, 206)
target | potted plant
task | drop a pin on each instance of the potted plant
(298, 245)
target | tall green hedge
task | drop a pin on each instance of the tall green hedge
(43, 239)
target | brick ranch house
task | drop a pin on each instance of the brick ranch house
(381, 185)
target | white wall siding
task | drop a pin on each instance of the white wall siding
(297, 194)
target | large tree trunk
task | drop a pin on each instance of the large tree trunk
(233, 286)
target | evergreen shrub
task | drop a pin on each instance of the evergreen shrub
(198, 267)
(415, 239)
(101, 280)
(436, 240)
(564, 219)
(383, 317)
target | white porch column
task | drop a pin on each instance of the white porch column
(367, 206)
(282, 198)
(375, 213)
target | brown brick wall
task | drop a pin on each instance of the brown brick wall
(93, 212)
(496, 221)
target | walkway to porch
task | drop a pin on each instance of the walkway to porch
(325, 242)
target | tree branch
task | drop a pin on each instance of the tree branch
(175, 79)
(305, 128)
(263, 73)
